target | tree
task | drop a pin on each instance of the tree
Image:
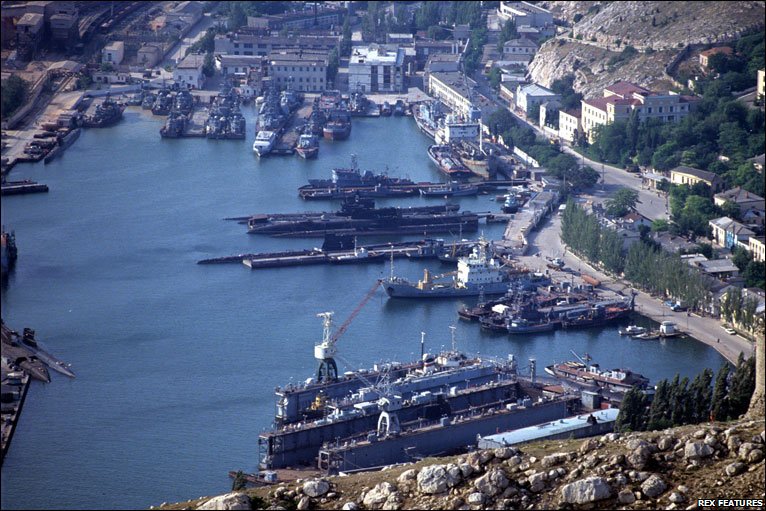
(659, 411)
(208, 67)
(427, 15)
(720, 401)
(500, 121)
(742, 386)
(14, 93)
(345, 43)
(239, 482)
(237, 15)
(632, 412)
(624, 200)
(332, 65)
(507, 33)
(495, 77)
(660, 224)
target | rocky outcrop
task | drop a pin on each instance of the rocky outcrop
(660, 31)
(651, 470)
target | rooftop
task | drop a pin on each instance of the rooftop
(691, 171)
(625, 89)
(536, 90)
(192, 61)
(531, 433)
(713, 51)
(376, 56)
(521, 42)
(738, 195)
(718, 266)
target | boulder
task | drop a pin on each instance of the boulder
(653, 486)
(626, 497)
(587, 490)
(553, 459)
(454, 475)
(432, 479)
(375, 498)
(503, 453)
(537, 482)
(677, 498)
(588, 445)
(476, 499)
(492, 483)
(304, 503)
(350, 506)
(316, 488)
(465, 469)
(755, 456)
(697, 450)
(666, 443)
(635, 443)
(235, 500)
(408, 475)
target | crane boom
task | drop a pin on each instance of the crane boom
(354, 313)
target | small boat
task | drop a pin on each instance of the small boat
(360, 255)
(264, 142)
(523, 326)
(399, 107)
(386, 109)
(647, 336)
(632, 330)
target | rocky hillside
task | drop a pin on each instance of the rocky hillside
(670, 469)
(664, 29)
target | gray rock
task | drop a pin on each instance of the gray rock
(393, 502)
(537, 482)
(733, 442)
(588, 445)
(433, 479)
(754, 456)
(735, 468)
(745, 449)
(677, 497)
(515, 460)
(503, 453)
(491, 483)
(653, 486)
(683, 488)
(465, 469)
(700, 434)
(665, 443)
(639, 458)
(454, 475)
(626, 497)
(553, 459)
(304, 503)
(234, 500)
(408, 475)
(476, 499)
(611, 437)
(697, 450)
(350, 506)
(316, 488)
(635, 443)
(587, 490)
(378, 495)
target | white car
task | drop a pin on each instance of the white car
(730, 330)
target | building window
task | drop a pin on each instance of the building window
(649, 110)
(670, 117)
(670, 109)
(660, 109)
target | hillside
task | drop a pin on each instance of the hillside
(667, 469)
(664, 29)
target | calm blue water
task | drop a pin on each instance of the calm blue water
(176, 362)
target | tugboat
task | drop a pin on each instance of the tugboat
(264, 142)
(386, 109)
(338, 127)
(358, 104)
(308, 146)
(477, 273)
(174, 126)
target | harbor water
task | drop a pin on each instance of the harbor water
(176, 362)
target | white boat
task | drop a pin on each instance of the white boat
(264, 142)
(633, 330)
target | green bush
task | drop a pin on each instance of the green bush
(14, 93)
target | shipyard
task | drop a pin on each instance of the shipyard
(254, 244)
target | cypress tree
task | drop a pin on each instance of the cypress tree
(632, 412)
(720, 405)
(742, 386)
(659, 411)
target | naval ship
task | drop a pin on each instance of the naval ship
(476, 273)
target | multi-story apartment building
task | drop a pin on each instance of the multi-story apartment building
(756, 248)
(372, 69)
(452, 90)
(569, 125)
(531, 95)
(525, 14)
(317, 17)
(263, 45)
(623, 98)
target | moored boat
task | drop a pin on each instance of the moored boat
(264, 142)
(442, 156)
(451, 189)
(308, 146)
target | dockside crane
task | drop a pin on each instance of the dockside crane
(326, 351)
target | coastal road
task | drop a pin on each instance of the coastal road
(546, 242)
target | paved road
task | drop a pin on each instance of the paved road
(546, 242)
(178, 52)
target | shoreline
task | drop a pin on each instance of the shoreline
(706, 330)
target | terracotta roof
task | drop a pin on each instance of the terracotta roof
(623, 88)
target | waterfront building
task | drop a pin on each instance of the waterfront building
(149, 54)
(263, 45)
(373, 69)
(623, 98)
(238, 64)
(304, 71)
(188, 74)
(525, 14)
(452, 90)
(316, 17)
(529, 96)
(690, 176)
(113, 53)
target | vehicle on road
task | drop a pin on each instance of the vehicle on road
(730, 330)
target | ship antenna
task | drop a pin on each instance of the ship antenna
(392, 262)
(422, 345)
(453, 328)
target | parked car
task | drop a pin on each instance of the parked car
(730, 330)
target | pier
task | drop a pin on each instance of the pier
(288, 138)
(22, 187)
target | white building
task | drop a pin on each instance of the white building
(303, 71)
(450, 89)
(149, 54)
(238, 64)
(372, 69)
(188, 74)
(528, 96)
(113, 53)
(520, 46)
(569, 125)
(525, 14)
